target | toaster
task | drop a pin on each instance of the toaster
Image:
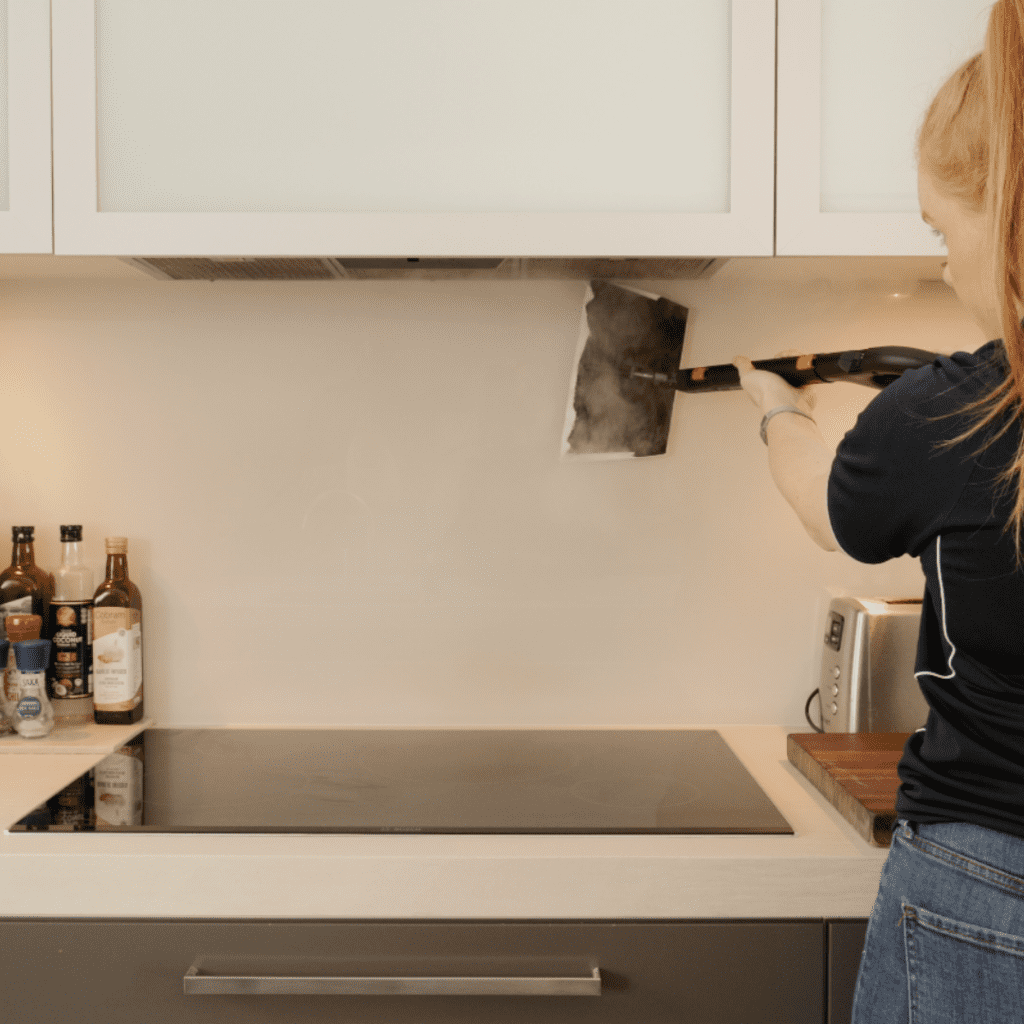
(867, 679)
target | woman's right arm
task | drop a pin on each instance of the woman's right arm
(798, 457)
(800, 462)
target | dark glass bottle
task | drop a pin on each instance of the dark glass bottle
(117, 641)
(25, 588)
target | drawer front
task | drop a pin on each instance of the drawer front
(132, 971)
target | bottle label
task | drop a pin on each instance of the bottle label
(29, 707)
(19, 606)
(117, 658)
(118, 788)
(71, 653)
(33, 715)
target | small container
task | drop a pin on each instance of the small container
(17, 627)
(33, 712)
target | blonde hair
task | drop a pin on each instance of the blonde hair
(971, 145)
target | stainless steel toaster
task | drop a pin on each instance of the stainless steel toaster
(867, 666)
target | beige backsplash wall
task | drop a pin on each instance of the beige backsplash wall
(345, 503)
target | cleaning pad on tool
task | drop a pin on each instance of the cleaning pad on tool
(610, 414)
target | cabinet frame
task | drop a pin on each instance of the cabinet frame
(82, 229)
(27, 226)
(801, 228)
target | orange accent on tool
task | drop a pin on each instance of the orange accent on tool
(698, 373)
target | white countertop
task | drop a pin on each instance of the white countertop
(824, 870)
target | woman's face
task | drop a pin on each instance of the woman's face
(969, 269)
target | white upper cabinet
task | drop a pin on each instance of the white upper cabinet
(414, 127)
(855, 79)
(25, 196)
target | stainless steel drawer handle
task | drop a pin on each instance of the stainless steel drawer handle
(201, 984)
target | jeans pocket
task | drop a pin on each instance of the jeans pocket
(960, 972)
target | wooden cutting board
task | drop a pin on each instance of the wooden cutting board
(856, 773)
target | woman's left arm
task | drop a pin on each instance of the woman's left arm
(798, 457)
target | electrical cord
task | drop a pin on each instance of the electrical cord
(807, 710)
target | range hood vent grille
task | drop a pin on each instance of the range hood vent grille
(311, 268)
(189, 268)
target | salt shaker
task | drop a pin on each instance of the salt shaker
(33, 712)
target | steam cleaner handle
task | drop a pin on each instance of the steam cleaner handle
(873, 367)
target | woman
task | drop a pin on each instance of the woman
(934, 467)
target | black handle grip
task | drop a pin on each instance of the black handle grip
(872, 367)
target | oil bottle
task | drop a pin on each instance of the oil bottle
(117, 641)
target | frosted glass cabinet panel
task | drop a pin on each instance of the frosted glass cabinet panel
(25, 198)
(855, 80)
(404, 127)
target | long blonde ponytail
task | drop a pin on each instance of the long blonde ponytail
(971, 143)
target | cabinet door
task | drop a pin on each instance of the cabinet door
(403, 128)
(25, 199)
(854, 82)
(845, 941)
(657, 972)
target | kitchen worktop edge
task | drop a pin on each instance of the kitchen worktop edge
(825, 869)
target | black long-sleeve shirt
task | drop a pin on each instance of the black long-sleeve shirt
(892, 493)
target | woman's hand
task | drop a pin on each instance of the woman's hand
(798, 457)
(768, 390)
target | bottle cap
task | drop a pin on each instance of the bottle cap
(23, 627)
(70, 533)
(31, 655)
(117, 545)
(23, 534)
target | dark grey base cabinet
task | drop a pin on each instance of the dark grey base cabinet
(844, 944)
(132, 971)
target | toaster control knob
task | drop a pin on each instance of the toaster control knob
(835, 708)
(835, 690)
(835, 671)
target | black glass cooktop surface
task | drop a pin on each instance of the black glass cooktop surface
(585, 781)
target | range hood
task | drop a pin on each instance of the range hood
(324, 268)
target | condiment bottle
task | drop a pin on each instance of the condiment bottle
(25, 588)
(18, 628)
(69, 674)
(33, 713)
(117, 641)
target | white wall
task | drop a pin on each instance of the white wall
(345, 503)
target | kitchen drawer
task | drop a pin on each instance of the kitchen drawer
(108, 971)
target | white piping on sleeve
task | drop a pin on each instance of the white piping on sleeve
(945, 631)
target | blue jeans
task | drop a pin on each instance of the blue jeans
(945, 941)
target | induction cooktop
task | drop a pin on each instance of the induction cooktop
(576, 781)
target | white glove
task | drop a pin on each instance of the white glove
(768, 390)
